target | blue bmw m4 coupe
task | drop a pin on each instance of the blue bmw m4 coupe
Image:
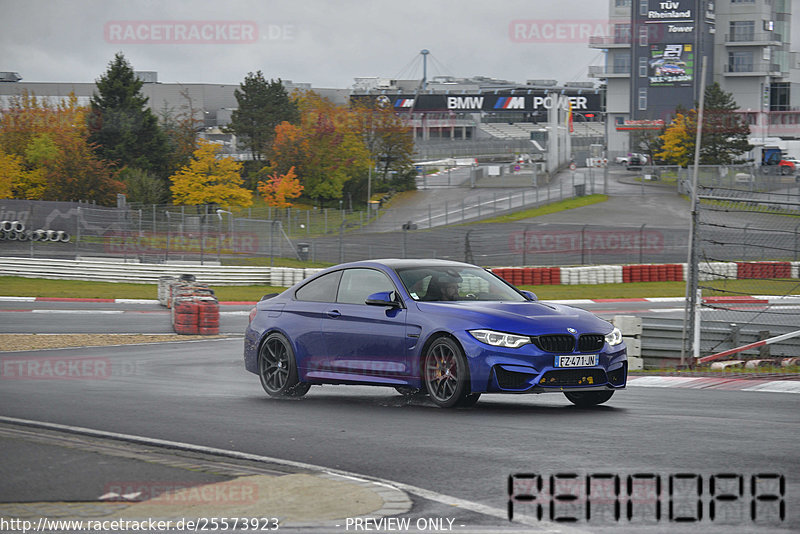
(445, 329)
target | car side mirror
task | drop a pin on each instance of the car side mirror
(384, 298)
(530, 295)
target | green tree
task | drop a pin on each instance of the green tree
(262, 106)
(122, 127)
(209, 179)
(143, 187)
(724, 132)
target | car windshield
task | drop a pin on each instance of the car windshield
(443, 283)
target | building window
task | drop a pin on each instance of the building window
(622, 33)
(740, 62)
(743, 1)
(622, 3)
(621, 64)
(779, 93)
(643, 5)
(742, 30)
(643, 98)
(643, 36)
(642, 67)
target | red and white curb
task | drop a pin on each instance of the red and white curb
(702, 382)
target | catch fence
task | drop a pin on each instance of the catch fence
(748, 248)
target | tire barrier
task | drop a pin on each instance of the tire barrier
(675, 272)
(764, 269)
(530, 275)
(194, 307)
(652, 273)
(15, 231)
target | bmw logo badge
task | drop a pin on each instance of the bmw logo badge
(572, 331)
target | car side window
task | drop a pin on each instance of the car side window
(322, 289)
(358, 284)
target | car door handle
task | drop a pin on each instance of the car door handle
(333, 314)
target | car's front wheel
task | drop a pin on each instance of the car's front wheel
(278, 370)
(588, 398)
(447, 375)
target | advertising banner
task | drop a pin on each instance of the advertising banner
(671, 65)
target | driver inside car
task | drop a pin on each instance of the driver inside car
(443, 287)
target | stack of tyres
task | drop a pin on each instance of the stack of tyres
(185, 315)
(207, 315)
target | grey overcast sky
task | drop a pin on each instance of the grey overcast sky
(323, 42)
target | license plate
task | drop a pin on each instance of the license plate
(580, 360)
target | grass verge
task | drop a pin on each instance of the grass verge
(555, 207)
(12, 286)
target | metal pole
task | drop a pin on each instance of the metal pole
(169, 235)
(641, 243)
(691, 282)
(271, 240)
(583, 245)
(203, 233)
(77, 230)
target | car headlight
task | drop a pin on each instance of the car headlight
(614, 337)
(500, 339)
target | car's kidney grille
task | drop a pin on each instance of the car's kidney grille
(555, 342)
(574, 377)
(591, 342)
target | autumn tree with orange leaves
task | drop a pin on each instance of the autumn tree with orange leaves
(325, 148)
(46, 147)
(280, 188)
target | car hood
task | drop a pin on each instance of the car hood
(529, 318)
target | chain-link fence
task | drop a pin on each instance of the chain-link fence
(159, 234)
(747, 253)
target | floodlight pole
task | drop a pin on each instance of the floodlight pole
(424, 53)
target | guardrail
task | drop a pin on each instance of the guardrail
(661, 339)
(149, 273)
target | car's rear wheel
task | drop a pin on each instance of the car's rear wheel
(588, 398)
(278, 370)
(446, 374)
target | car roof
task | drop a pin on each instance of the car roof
(399, 263)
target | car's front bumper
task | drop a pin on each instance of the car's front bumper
(529, 370)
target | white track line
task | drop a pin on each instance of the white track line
(498, 513)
